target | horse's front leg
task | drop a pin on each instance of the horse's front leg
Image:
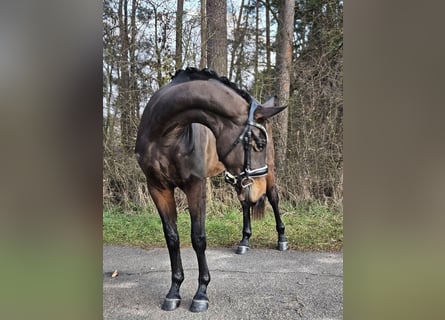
(196, 197)
(165, 203)
(247, 231)
(272, 196)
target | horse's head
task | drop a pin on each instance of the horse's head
(245, 160)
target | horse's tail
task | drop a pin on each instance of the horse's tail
(258, 209)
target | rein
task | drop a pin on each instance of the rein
(245, 177)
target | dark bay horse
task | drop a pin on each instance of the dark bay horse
(197, 126)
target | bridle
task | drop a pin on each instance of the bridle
(244, 179)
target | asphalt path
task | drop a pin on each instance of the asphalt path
(262, 284)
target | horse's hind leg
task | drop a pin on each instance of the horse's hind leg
(247, 232)
(196, 198)
(272, 196)
(165, 203)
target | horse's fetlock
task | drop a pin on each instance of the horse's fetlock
(205, 279)
(178, 277)
(280, 228)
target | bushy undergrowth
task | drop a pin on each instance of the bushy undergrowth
(308, 227)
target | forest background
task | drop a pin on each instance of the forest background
(145, 41)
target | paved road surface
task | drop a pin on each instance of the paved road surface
(262, 284)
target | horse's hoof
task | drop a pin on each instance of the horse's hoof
(242, 249)
(199, 305)
(283, 246)
(170, 304)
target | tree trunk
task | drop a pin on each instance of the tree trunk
(124, 83)
(203, 61)
(178, 52)
(268, 48)
(237, 38)
(283, 68)
(134, 91)
(240, 51)
(217, 35)
(257, 39)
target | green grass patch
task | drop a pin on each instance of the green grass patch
(308, 227)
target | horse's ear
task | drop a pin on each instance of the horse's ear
(263, 113)
(269, 103)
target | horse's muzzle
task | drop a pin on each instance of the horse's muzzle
(245, 178)
(253, 191)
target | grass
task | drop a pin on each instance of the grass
(308, 227)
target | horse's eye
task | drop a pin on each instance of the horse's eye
(260, 144)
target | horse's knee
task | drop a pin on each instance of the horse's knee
(199, 242)
(172, 240)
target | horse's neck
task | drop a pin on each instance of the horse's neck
(207, 102)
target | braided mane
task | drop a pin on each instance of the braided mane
(206, 74)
